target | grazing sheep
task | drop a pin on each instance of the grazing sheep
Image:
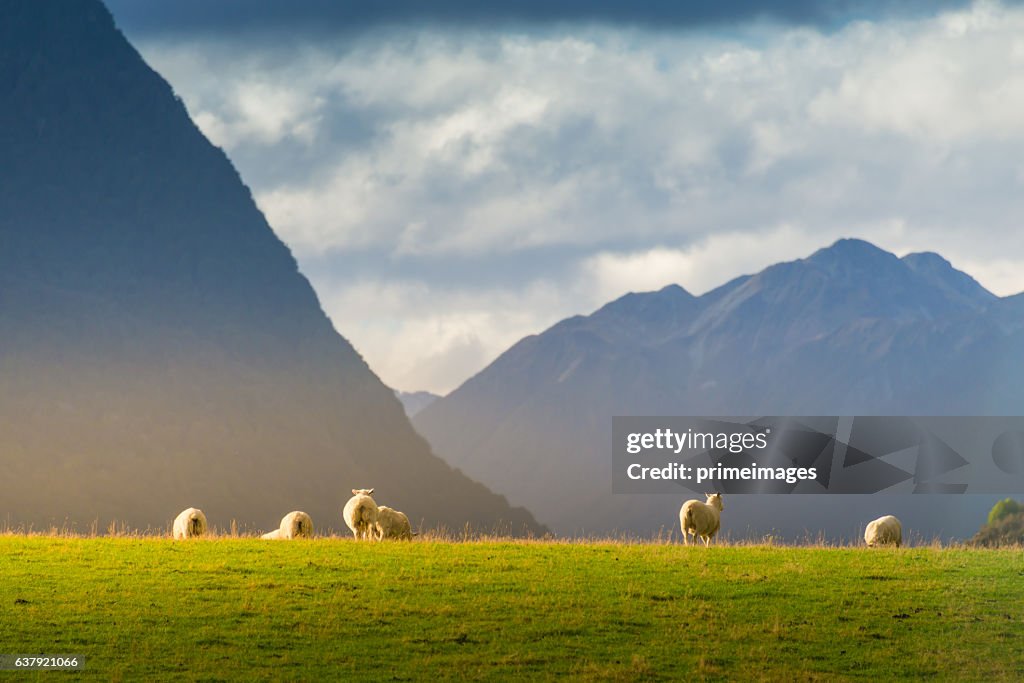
(393, 524)
(293, 525)
(361, 513)
(884, 531)
(701, 519)
(297, 524)
(191, 523)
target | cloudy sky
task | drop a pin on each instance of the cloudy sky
(455, 175)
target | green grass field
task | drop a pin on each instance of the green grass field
(331, 609)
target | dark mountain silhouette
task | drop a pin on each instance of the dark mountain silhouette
(850, 330)
(159, 348)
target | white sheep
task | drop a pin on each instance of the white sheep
(293, 525)
(190, 524)
(885, 530)
(393, 524)
(701, 519)
(361, 514)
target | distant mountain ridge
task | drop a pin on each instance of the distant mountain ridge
(159, 348)
(415, 401)
(849, 330)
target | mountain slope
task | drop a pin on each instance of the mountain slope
(850, 330)
(158, 346)
(415, 401)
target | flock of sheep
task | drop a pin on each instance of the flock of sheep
(703, 520)
(367, 520)
(363, 516)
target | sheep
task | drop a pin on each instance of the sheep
(191, 523)
(701, 519)
(293, 525)
(361, 514)
(392, 524)
(885, 530)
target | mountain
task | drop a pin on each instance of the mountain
(954, 284)
(415, 401)
(849, 330)
(159, 348)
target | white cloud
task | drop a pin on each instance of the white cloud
(953, 79)
(422, 337)
(258, 104)
(1004, 276)
(641, 157)
(699, 268)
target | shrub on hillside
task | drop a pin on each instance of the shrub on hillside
(1007, 530)
(1004, 508)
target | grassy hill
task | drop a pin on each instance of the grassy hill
(332, 609)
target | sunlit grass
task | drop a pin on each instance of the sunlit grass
(145, 608)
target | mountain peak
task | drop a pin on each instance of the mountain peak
(852, 244)
(656, 313)
(852, 251)
(926, 258)
(954, 283)
(675, 289)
